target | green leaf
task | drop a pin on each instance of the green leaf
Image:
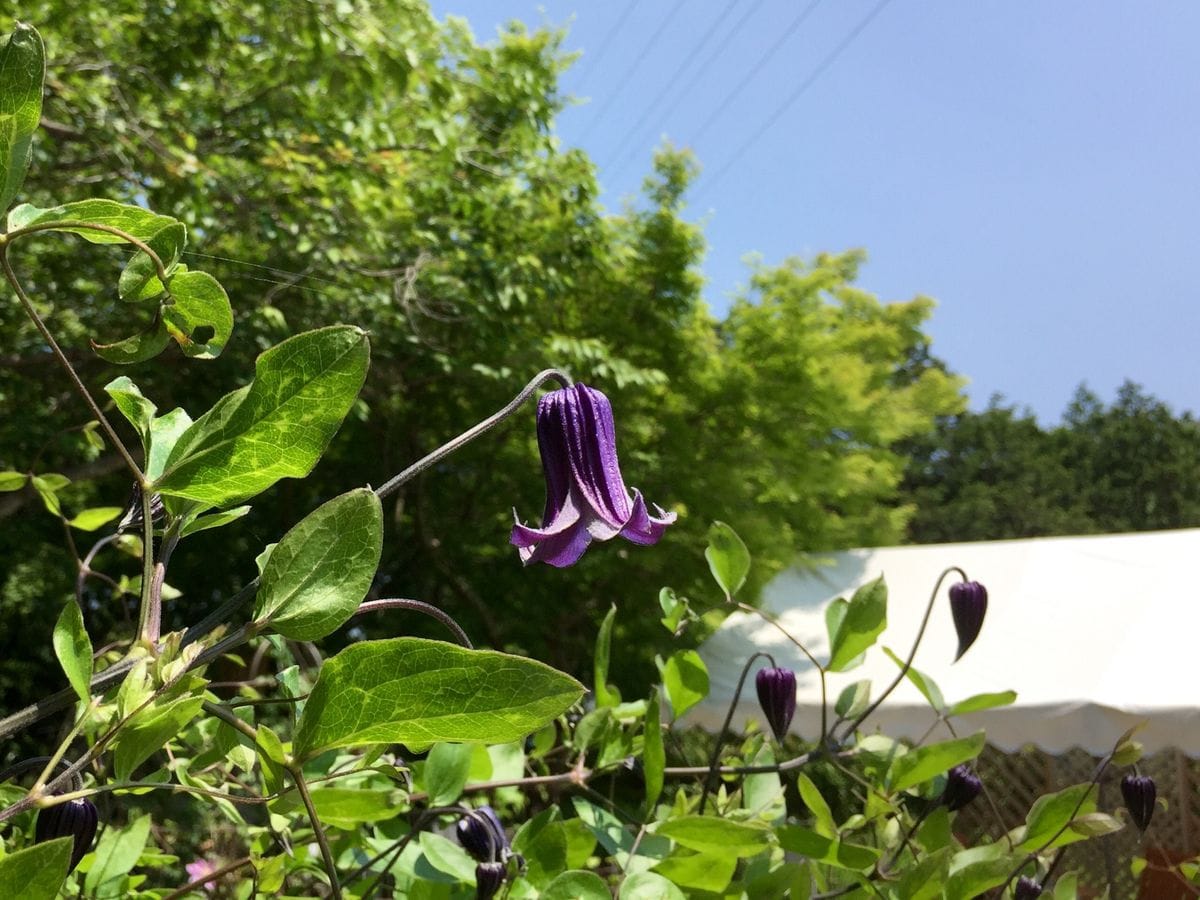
(686, 679)
(139, 280)
(133, 405)
(73, 648)
(117, 852)
(830, 851)
(1051, 813)
(96, 517)
(74, 218)
(924, 880)
(923, 683)
(654, 755)
(22, 71)
(824, 824)
(576, 885)
(417, 692)
(980, 702)
(543, 843)
(198, 317)
(974, 878)
(37, 872)
(863, 620)
(446, 771)
(762, 792)
(721, 837)
(728, 558)
(149, 730)
(318, 575)
(605, 695)
(144, 345)
(677, 611)
(275, 427)
(216, 520)
(648, 886)
(12, 481)
(446, 856)
(347, 808)
(853, 699)
(47, 487)
(165, 432)
(924, 763)
(708, 872)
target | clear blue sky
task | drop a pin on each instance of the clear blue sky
(1034, 167)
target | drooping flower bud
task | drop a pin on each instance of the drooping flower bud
(482, 836)
(777, 697)
(968, 605)
(1140, 793)
(489, 878)
(962, 786)
(76, 819)
(1027, 888)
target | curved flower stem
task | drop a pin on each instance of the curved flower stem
(422, 607)
(11, 277)
(85, 565)
(395, 483)
(912, 654)
(771, 620)
(716, 754)
(42, 763)
(318, 831)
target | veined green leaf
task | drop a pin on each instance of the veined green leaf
(137, 348)
(604, 696)
(319, 573)
(37, 872)
(22, 71)
(920, 764)
(862, 621)
(417, 692)
(77, 217)
(728, 558)
(275, 427)
(718, 836)
(198, 315)
(686, 679)
(73, 648)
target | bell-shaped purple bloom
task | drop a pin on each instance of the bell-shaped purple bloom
(76, 819)
(962, 786)
(1027, 888)
(482, 835)
(968, 605)
(1139, 792)
(586, 498)
(777, 697)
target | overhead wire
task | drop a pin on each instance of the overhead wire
(803, 88)
(615, 92)
(692, 57)
(591, 62)
(758, 67)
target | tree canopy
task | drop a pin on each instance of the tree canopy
(365, 163)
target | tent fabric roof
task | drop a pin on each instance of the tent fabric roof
(1095, 634)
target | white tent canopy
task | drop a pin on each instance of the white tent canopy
(1095, 634)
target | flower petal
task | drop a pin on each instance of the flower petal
(643, 528)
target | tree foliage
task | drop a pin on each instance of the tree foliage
(1130, 466)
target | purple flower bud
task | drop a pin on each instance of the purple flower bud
(489, 878)
(75, 818)
(586, 497)
(777, 697)
(968, 605)
(962, 786)
(1027, 888)
(482, 836)
(1139, 792)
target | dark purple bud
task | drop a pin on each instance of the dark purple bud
(962, 786)
(1139, 792)
(777, 697)
(75, 818)
(968, 605)
(482, 835)
(489, 878)
(1027, 888)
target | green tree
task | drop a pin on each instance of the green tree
(363, 162)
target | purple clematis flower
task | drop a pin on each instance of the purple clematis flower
(586, 498)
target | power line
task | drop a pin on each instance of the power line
(798, 93)
(591, 62)
(692, 56)
(615, 92)
(762, 62)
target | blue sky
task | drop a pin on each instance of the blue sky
(1034, 167)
